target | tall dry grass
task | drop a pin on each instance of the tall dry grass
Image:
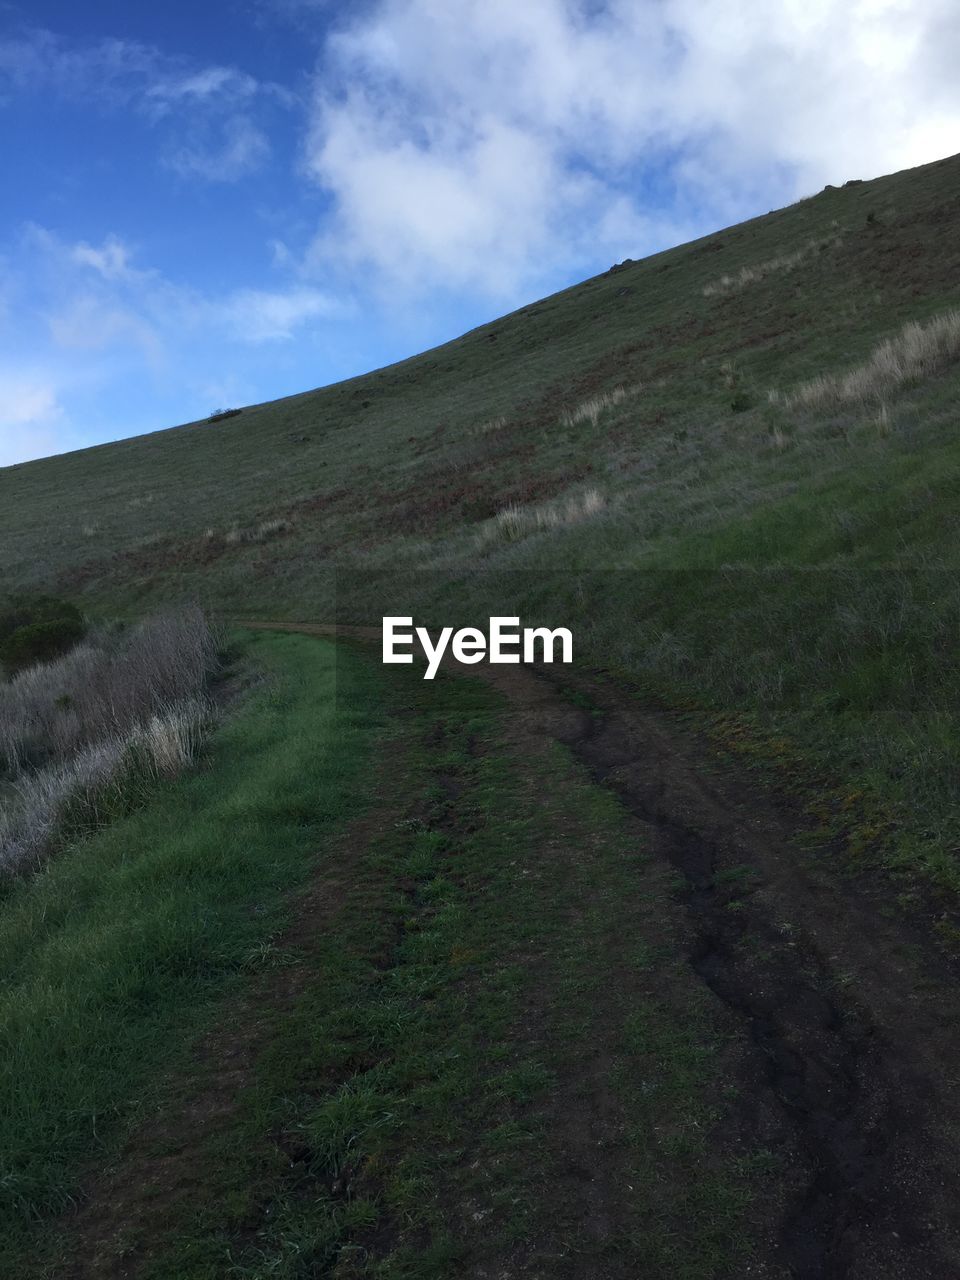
(104, 688)
(914, 353)
(590, 410)
(78, 734)
(747, 276)
(516, 522)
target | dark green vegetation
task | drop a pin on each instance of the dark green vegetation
(789, 561)
(113, 954)
(36, 629)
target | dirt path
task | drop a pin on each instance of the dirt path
(852, 1028)
(843, 1024)
(849, 1023)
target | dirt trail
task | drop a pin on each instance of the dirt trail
(851, 1029)
(846, 1023)
(849, 1022)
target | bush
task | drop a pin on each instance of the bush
(104, 688)
(39, 642)
(97, 785)
(23, 611)
(37, 629)
(741, 401)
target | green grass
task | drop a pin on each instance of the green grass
(793, 567)
(412, 1110)
(115, 956)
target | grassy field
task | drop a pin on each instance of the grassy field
(116, 953)
(406, 465)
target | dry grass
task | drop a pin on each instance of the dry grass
(79, 794)
(170, 739)
(30, 823)
(915, 353)
(747, 276)
(516, 522)
(79, 735)
(103, 689)
(590, 410)
(491, 424)
(261, 532)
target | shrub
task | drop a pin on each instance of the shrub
(68, 800)
(741, 401)
(81, 736)
(37, 629)
(39, 642)
(23, 611)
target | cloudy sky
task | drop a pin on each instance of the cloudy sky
(210, 203)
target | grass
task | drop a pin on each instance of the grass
(918, 351)
(749, 275)
(516, 522)
(590, 410)
(413, 1108)
(81, 736)
(791, 563)
(115, 956)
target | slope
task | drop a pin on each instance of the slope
(648, 457)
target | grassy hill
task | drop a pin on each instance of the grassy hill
(661, 457)
(405, 465)
(508, 974)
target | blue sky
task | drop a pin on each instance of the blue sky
(212, 204)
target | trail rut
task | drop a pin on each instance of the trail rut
(849, 1021)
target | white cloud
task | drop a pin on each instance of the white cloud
(205, 113)
(111, 260)
(29, 412)
(255, 315)
(97, 299)
(487, 144)
(108, 346)
(26, 402)
(204, 85)
(96, 323)
(241, 149)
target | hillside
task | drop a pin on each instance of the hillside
(645, 965)
(404, 466)
(641, 423)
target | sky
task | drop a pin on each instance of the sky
(211, 204)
